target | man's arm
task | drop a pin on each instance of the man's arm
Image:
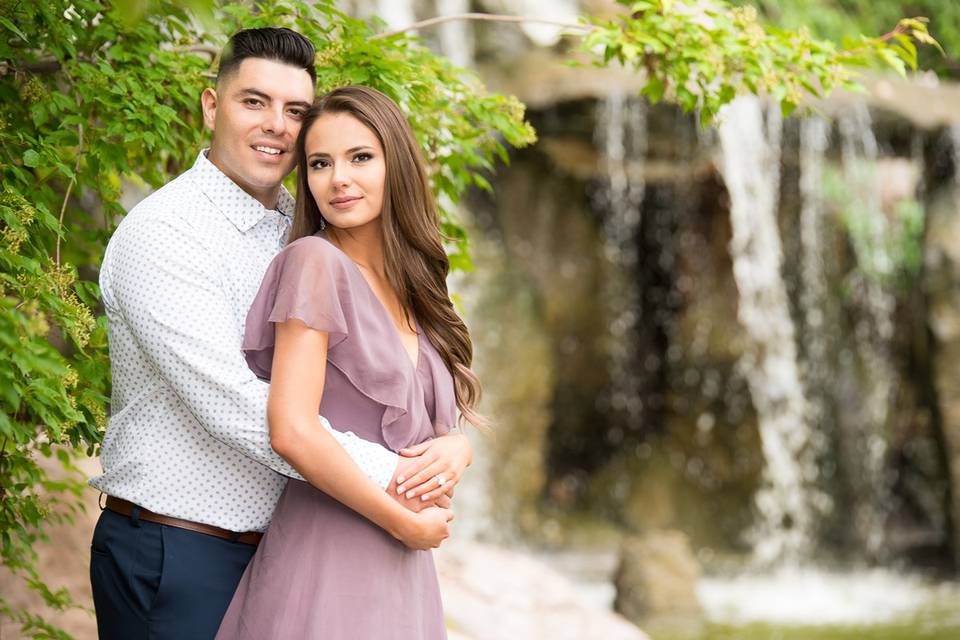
(164, 283)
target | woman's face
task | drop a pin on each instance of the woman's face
(346, 171)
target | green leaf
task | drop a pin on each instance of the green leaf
(653, 90)
(12, 27)
(31, 158)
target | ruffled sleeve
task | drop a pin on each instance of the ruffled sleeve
(306, 281)
(315, 282)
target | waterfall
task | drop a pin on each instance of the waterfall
(542, 35)
(873, 333)
(456, 38)
(751, 169)
(621, 132)
(396, 13)
(819, 322)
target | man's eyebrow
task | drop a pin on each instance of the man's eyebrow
(260, 94)
(255, 92)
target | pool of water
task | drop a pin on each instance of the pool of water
(807, 604)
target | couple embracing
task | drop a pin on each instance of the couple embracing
(220, 282)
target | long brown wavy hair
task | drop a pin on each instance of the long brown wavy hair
(416, 263)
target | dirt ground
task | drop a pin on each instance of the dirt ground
(64, 562)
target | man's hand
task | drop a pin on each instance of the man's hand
(405, 468)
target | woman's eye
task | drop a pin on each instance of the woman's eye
(362, 157)
(318, 164)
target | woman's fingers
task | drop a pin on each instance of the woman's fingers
(423, 480)
(406, 479)
(445, 491)
(436, 475)
(415, 450)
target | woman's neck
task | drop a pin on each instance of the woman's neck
(363, 245)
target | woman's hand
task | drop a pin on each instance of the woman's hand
(427, 529)
(442, 462)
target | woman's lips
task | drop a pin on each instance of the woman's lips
(344, 202)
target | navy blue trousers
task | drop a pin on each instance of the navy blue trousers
(155, 582)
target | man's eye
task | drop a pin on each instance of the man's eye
(253, 102)
(298, 113)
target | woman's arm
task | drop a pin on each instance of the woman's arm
(296, 388)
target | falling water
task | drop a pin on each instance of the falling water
(817, 320)
(622, 135)
(396, 13)
(544, 35)
(873, 333)
(456, 37)
(751, 169)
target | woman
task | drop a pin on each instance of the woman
(354, 317)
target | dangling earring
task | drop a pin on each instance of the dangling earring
(323, 223)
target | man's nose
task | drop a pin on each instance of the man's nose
(274, 121)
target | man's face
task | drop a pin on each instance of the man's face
(255, 116)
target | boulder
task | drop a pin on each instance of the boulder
(657, 578)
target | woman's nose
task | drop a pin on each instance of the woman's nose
(341, 175)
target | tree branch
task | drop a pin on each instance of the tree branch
(487, 17)
(73, 181)
(52, 65)
(208, 49)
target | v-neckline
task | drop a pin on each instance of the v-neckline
(414, 362)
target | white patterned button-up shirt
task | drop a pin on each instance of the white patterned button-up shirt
(188, 436)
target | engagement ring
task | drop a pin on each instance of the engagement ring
(440, 480)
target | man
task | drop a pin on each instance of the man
(189, 473)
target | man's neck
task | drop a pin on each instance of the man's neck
(267, 197)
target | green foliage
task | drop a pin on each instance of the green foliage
(98, 97)
(703, 53)
(88, 103)
(840, 19)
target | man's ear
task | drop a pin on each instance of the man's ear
(208, 102)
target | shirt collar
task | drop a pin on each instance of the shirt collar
(236, 205)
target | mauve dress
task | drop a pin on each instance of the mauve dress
(322, 570)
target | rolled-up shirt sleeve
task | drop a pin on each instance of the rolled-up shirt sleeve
(165, 284)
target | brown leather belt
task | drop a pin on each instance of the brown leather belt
(121, 506)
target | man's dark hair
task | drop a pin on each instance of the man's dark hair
(271, 43)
